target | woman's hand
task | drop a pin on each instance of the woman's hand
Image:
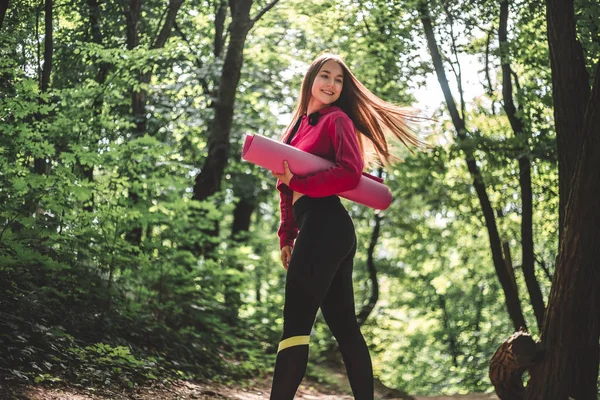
(286, 255)
(287, 176)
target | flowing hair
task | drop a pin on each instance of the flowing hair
(373, 118)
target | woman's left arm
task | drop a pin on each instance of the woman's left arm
(345, 174)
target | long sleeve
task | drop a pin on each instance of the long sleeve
(345, 174)
(288, 229)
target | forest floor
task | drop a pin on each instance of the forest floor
(183, 390)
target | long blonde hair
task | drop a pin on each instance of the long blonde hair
(373, 118)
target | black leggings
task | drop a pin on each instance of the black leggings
(320, 275)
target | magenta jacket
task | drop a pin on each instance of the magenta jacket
(332, 137)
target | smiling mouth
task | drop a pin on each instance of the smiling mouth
(327, 92)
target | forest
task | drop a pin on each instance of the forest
(137, 246)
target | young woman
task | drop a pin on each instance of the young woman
(337, 118)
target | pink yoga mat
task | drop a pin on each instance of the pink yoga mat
(269, 154)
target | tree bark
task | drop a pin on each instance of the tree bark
(572, 329)
(571, 91)
(3, 9)
(511, 295)
(528, 263)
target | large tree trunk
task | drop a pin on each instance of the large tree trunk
(208, 181)
(528, 263)
(571, 91)
(572, 329)
(510, 291)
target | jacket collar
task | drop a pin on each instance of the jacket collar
(313, 118)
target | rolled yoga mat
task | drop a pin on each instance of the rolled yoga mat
(269, 154)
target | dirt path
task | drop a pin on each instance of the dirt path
(187, 391)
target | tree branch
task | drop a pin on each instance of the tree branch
(197, 61)
(527, 245)
(165, 32)
(263, 11)
(220, 15)
(457, 74)
(489, 88)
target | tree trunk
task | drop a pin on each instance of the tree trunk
(242, 215)
(570, 90)
(208, 181)
(40, 164)
(528, 264)
(132, 17)
(473, 376)
(3, 9)
(167, 27)
(139, 97)
(366, 310)
(511, 295)
(220, 15)
(572, 328)
(451, 341)
(48, 47)
(87, 171)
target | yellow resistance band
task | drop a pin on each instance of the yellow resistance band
(293, 341)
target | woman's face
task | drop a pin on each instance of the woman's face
(327, 86)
